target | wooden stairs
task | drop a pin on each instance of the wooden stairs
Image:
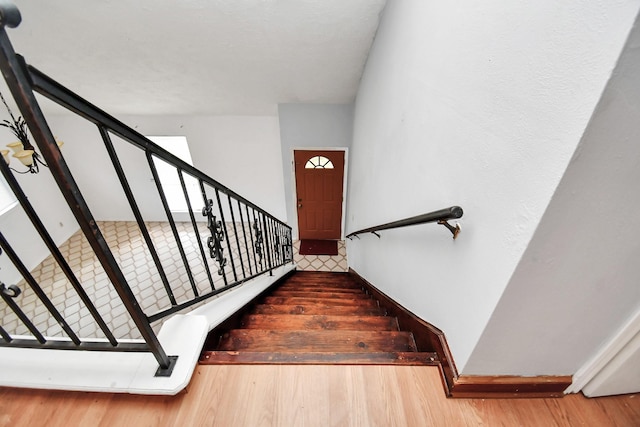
(315, 318)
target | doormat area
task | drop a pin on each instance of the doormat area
(318, 247)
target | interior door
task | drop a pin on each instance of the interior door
(319, 183)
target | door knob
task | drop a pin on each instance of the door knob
(299, 205)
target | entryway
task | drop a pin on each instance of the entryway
(319, 182)
(319, 177)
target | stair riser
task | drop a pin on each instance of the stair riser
(323, 286)
(301, 322)
(316, 341)
(314, 295)
(318, 309)
(327, 358)
(320, 301)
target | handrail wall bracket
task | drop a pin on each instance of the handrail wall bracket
(454, 230)
(441, 216)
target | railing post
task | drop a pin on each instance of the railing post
(20, 87)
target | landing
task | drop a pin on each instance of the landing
(335, 263)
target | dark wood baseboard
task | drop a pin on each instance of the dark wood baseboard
(430, 338)
(480, 386)
(427, 336)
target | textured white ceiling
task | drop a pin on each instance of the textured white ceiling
(200, 56)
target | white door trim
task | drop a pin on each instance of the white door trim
(607, 353)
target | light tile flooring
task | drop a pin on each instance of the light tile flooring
(321, 262)
(136, 262)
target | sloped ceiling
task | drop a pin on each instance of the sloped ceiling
(200, 57)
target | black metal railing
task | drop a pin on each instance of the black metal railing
(441, 216)
(235, 239)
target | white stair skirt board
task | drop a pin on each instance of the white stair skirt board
(117, 372)
(610, 358)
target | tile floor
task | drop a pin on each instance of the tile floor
(321, 262)
(136, 262)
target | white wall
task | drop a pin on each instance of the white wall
(310, 126)
(480, 106)
(240, 152)
(577, 282)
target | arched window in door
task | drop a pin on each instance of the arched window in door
(318, 162)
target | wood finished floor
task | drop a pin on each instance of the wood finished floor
(296, 395)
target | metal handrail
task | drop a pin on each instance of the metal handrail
(272, 246)
(440, 216)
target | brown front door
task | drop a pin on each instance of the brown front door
(319, 176)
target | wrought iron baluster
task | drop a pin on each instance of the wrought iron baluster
(275, 243)
(253, 244)
(5, 335)
(246, 243)
(8, 293)
(226, 235)
(258, 244)
(124, 182)
(22, 269)
(216, 251)
(287, 246)
(266, 243)
(235, 232)
(55, 252)
(208, 203)
(283, 243)
(195, 227)
(172, 223)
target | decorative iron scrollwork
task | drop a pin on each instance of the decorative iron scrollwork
(286, 248)
(258, 233)
(276, 246)
(12, 291)
(214, 242)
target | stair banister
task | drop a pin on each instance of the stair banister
(20, 87)
(441, 216)
(23, 82)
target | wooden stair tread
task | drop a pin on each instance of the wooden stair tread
(324, 286)
(305, 341)
(320, 301)
(316, 318)
(337, 310)
(319, 294)
(412, 358)
(341, 292)
(321, 322)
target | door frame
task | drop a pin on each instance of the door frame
(294, 195)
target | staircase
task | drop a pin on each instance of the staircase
(316, 318)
